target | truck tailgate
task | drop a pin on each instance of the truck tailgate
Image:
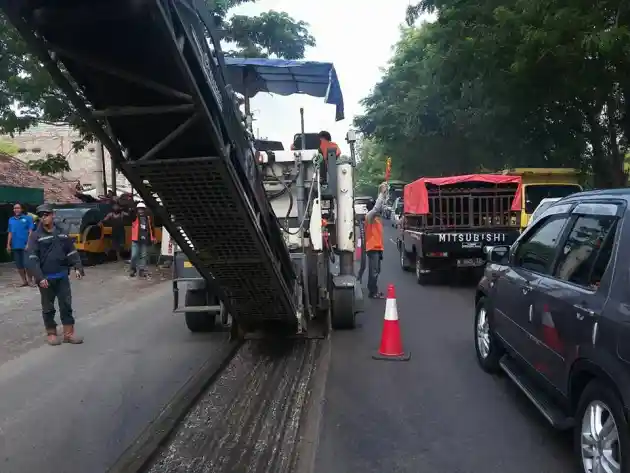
(466, 243)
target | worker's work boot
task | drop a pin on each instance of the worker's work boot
(70, 337)
(51, 337)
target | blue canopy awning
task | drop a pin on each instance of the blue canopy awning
(285, 77)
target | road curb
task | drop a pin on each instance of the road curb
(138, 455)
(309, 441)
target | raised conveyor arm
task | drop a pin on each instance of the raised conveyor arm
(142, 75)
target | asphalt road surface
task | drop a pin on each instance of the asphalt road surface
(74, 409)
(436, 413)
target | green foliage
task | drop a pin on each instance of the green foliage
(269, 34)
(8, 148)
(52, 164)
(25, 82)
(370, 169)
(507, 83)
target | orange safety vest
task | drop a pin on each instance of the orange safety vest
(135, 227)
(374, 235)
(324, 146)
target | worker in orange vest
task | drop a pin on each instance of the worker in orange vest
(326, 144)
(374, 241)
(142, 236)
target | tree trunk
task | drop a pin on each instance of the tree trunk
(599, 164)
(616, 169)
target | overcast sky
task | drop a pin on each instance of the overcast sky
(355, 37)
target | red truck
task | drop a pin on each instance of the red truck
(448, 221)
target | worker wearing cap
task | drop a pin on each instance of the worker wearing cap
(51, 256)
(142, 236)
(374, 241)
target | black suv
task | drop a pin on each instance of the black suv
(553, 313)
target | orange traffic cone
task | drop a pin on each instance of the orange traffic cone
(357, 250)
(391, 342)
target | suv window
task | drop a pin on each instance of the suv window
(588, 250)
(536, 253)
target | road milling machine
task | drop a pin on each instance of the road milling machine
(154, 91)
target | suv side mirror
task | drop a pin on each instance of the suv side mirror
(497, 254)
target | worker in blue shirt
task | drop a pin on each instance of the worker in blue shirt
(20, 227)
(51, 255)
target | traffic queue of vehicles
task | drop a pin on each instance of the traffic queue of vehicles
(552, 306)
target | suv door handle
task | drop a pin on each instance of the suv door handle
(584, 311)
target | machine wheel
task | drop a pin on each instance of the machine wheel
(198, 321)
(404, 259)
(422, 278)
(343, 315)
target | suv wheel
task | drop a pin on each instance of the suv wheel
(489, 350)
(602, 441)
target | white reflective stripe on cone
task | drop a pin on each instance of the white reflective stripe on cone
(391, 312)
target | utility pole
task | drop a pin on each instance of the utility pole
(99, 173)
(113, 175)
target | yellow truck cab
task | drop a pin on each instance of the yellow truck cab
(540, 183)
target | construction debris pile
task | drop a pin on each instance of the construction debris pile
(16, 173)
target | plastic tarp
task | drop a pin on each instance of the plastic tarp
(248, 76)
(417, 195)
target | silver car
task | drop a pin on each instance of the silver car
(544, 205)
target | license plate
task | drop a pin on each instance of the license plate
(469, 262)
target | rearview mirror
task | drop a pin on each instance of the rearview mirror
(497, 254)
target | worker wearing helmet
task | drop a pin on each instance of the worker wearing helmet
(374, 241)
(142, 236)
(51, 256)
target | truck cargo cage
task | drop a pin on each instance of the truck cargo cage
(154, 94)
(463, 202)
(469, 208)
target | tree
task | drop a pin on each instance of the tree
(508, 82)
(26, 84)
(52, 164)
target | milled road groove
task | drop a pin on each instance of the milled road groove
(249, 418)
(143, 449)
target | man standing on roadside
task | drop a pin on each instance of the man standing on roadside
(374, 241)
(51, 255)
(142, 237)
(20, 227)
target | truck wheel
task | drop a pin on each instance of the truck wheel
(404, 259)
(198, 321)
(343, 313)
(422, 278)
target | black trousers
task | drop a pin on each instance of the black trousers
(374, 269)
(57, 289)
